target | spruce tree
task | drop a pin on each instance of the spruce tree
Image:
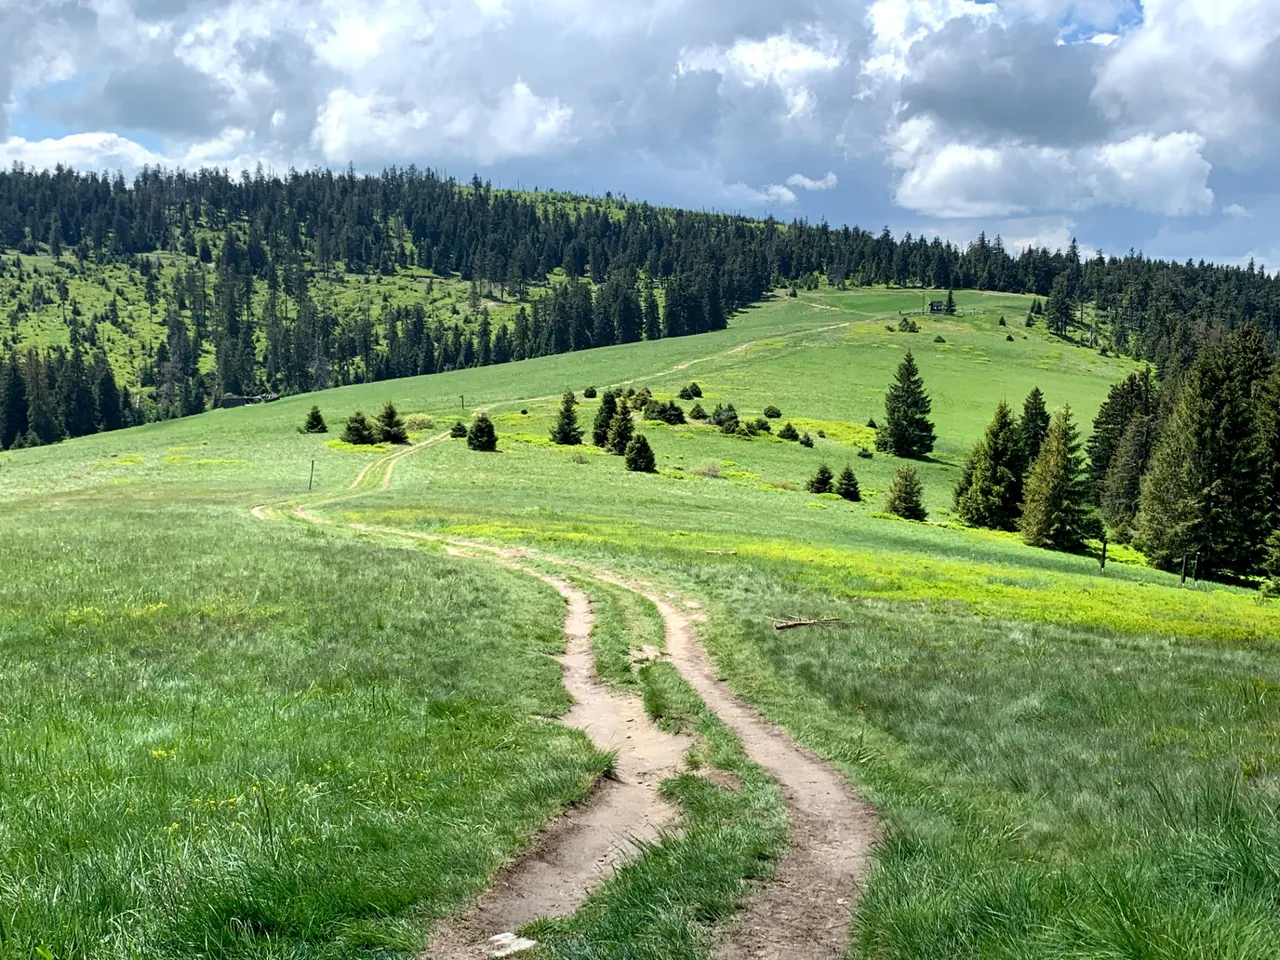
(907, 430)
(1202, 493)
(604, 418)
(949, 308)
(482, 436)
(906, 496)
(391, 428)
(847, 485)
(13, 403)
(652, 317)
(359, 431)
(1059, 307)
(620, 429)
(993, 496)
(639, 455)
(1135, 396)
(458, 431)
(110, 414)
(1055, 513)
(315, 422)
(1122, 488)
(566, 431)
(821, 482)
(1034, 424)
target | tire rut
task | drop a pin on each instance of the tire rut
(573, 856)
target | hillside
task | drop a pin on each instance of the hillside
(270, 694)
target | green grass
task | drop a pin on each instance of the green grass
(1069, 763)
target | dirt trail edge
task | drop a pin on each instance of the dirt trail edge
(573, 855)
(804, 911)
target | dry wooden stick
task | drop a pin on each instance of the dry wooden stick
(790, 624)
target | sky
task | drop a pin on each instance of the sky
(1127, 124)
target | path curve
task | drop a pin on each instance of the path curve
(573, 856)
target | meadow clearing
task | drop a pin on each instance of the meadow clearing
(231, 737)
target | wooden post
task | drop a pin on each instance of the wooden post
(1184, 570)
(312, 478)
(1195, 571)
(1102, 560)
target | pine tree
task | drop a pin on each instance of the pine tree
(950, 307)
(1122, 488)
(821, 481)
(566, 431)
(847, 485)
(1055, 513)
(391, 428)
(359, 431)
(1135, 396)
(993, 495)
(906, 496)
(907, 430)
(482, 436)
(315, 422)
(1202, 492)
(620, 429)
(458, 431)
(639, 455)
(788, 432)
(604, 418)
(652, 317)
(1034, 425)
(13, 403)
(43, 425)
(110, 413)
(1059, 308)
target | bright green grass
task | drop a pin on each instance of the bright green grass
(1068, 763)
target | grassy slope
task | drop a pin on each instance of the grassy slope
(1069, 764)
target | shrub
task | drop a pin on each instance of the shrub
(641, 399)
(847, 485)
(482, 436)
(822, 434)
(1009, 337)
(524, 412)
(695, 391)
(710, 470)
(666, 411)
(359, 431)
(458, 430)
(788, 432)
(871, 422)
(1001, 322)
(723, 416)
(792, 293)
(419, 423)
(865, 454)
(685, 394)
(939, 339)
(821, 481)
(391, 428)
(589, 393)
(906, 496)
(806, 440)
(697, 413)
(908, 325)
(314, 422)
(639, 456)
(761, 425)
(772, 412)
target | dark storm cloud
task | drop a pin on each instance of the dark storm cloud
(1014, 81)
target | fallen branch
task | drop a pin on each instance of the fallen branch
(722, 553)
(791, 624)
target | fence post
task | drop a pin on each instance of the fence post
(312, 478)
(1184, 570)
(1102, 560)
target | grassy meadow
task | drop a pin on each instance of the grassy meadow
(1068, 762)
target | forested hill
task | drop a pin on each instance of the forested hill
(181, 288)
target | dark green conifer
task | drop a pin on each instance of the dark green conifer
(315, 422)
(482, 436)
(604, 418)
(821, 482)
(906, 495)
(788, 432)
(1135, 396)
(566, 431)
(13, 403)
(621, 429)
(1055, 513)
(993, 476)
(949, 308)
(1122, 489)
(458, 430)
(907, 430)
(359, 431)
(1034, 424)
(639, 455)
(391, 428)
(847, 485)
